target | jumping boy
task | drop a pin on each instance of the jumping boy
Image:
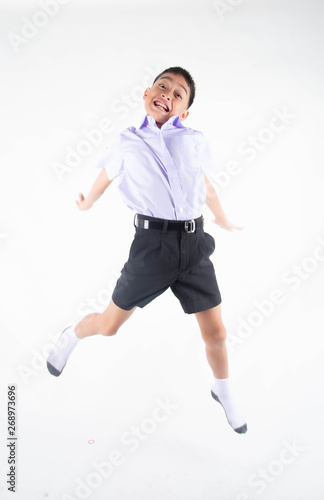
(161, 171)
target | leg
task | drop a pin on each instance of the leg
(106, 323)
(214, 335)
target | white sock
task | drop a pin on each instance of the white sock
(59, 355)
(222, 390)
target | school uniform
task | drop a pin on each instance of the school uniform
(160, 175)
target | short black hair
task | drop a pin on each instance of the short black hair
(177, 70)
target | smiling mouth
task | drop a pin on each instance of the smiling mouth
(161, 105)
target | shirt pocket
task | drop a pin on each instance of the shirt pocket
(187, 153)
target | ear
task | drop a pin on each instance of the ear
(146, 92)
(184, 115)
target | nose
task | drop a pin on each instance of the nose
(165, 96)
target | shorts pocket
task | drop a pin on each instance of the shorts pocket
(209, 244)
(139, 245)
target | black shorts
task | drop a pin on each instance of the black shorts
(160, 259)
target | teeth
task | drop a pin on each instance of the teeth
(161, 106)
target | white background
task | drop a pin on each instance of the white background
(91, 61)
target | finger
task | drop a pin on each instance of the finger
(235, 226)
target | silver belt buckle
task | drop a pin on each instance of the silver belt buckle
(190, 226)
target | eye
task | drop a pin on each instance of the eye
(161, 85)
(179, 95)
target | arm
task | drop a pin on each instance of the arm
(98, 188)
(214, 205)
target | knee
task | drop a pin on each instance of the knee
(107, 328)
(215, 336)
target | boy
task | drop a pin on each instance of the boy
(161, 168)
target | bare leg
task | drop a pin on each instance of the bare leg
(213, 333)
(106, 323)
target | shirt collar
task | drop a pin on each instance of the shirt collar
(173, 121)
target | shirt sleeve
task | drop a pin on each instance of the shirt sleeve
(112, 160)
(205, 154)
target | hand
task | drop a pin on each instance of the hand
(226, 224)
(82, 204)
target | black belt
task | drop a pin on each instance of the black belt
(188, 226)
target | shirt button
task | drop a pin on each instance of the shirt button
(181, 209)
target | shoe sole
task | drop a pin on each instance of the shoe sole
(240, 430)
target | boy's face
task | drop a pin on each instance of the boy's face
(168, 96)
